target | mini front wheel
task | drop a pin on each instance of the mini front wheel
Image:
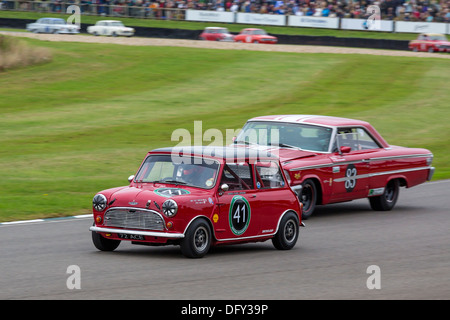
(197, 240)
(103, 244)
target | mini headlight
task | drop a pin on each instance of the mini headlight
(170, 207)
(99, 202)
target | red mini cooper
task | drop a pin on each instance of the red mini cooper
(197, 197)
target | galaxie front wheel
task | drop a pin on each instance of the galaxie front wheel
(388, 199)
(308, 198)
(197, 240)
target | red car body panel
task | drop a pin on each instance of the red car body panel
(266, 207)
(252, 35)
(216, 34)
(349, 175)
(430, 43)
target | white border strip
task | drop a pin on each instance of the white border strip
(81, 216)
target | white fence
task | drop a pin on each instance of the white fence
(320, 22)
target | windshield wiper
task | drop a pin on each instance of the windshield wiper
(284, 145)
(169, 181)
(245, 142)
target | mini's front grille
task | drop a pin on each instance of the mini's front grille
(133, 219)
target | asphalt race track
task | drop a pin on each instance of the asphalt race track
(410, 245)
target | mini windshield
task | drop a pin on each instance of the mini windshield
(223, 30)
(438, 37)
(289, 135)
(259, 32)
(192, 171)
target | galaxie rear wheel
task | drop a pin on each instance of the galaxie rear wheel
(388, 199)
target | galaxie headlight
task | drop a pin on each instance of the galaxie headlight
(288, 177)
(170, 208)
(99, 202)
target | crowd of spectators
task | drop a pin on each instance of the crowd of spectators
(399, 10)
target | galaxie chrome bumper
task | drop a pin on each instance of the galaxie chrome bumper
(430, 173)
(139, 232)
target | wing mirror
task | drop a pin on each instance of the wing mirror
(130, 178)
(344, 149)
(224, 187)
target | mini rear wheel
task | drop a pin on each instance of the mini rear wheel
(287, 234)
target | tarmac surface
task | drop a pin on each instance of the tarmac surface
(339, 252)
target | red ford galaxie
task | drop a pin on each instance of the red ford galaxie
(197, 197)
(331, 159)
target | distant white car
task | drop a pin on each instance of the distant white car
(52, 25)
(110, 28)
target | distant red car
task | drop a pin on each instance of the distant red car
(331, 159)
(254, 35)
(430, 42)
(216, 34)
(208, 196)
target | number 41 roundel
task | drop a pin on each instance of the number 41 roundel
(239, 215)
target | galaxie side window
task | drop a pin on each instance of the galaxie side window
(355, 138)
(237, 176)
(268, 175)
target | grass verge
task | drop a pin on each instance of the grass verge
(84, 121)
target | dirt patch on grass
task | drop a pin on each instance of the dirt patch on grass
(16, 53)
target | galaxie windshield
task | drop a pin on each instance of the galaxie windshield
(290, 135)
(196, 172)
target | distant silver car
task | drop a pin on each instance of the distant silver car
(52, 25)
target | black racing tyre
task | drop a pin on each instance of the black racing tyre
(197, 240)
(308, 197)
(388, 199)
(287, 234)
(104, 244)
